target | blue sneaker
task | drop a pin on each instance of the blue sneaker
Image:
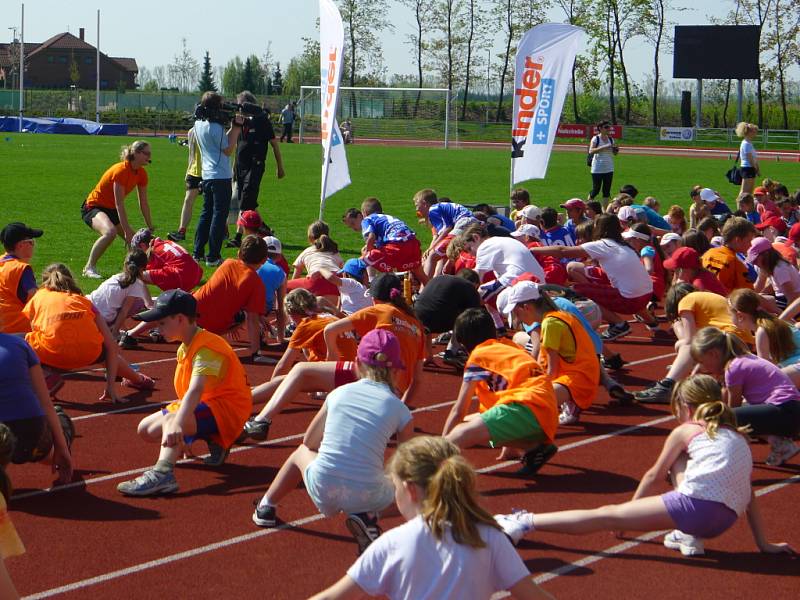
(149, 483)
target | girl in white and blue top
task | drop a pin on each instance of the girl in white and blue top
(748, 157)
(710, 465)
(602, 150)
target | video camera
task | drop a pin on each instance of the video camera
(226, 112)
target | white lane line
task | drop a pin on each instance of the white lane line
(257, 534)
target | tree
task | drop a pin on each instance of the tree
(249, 76)
(422, 10)
(782, 38)
(474, 35)
(624, 17)
(277, 78)
(302, 69)
(206, 83)
(653, 24)
(446, 46)
(184, 69)
(580, 14)
(232, 76)
(363, 22)
(504, 9)
(757, 12)
(74, 71)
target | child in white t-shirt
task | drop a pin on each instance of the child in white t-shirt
(124, 294)
(321, 257)
(353, 286)
(449, 547)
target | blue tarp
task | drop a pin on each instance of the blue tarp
(62, 125)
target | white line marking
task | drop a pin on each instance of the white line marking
(257, 534)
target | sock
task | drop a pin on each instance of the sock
(163, 466)
(264, 503)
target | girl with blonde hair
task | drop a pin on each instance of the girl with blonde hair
(709, 463)
(748, 157)
(773, 402)
(449, 547)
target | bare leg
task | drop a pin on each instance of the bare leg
(304, 377)
(577, 272)
(682, 365)
(188, 205)
(644, 514)
(102, 225)
(420, 275)
(562, 394)
(289, 476)
(470, 432)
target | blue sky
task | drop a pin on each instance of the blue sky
(151, 30)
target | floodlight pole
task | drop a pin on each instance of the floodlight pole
(699, 116)
(22, 69)
(97, 75)
(739, 100)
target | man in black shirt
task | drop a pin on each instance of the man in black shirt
(251, 156)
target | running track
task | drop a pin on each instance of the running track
(84, 540)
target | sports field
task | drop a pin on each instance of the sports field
(45, 178)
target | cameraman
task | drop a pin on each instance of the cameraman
(251, 156)
(215, 147)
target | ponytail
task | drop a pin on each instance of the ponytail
(715, 415)
(388, 288)
(702, 395)
(7, 444)
(135, 263)
(58, 278)
(779, 332)
(447, 480)
(376, 374)
(131, 149)
(325, 244)
(710, 338)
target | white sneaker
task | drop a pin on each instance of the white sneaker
(687, 544)
(570, 413)
(783, 449)
(514, 525)
(91, 273)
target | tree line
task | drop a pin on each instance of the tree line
(454, 44)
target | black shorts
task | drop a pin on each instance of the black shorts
(89, 212)
(748, 172)
(193, 183)
(34, 440)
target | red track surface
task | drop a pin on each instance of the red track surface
(86, 540)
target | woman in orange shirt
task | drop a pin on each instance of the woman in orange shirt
(68, 333)
(104, 208)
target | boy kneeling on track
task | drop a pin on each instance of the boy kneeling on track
(517, 404)
(214, 398)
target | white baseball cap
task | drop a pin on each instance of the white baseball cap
(708, 195)
(273, 244)
(630, 233)
(527, 229)
(524, 291)
(670, 237)
(627, 213)
(531, 212)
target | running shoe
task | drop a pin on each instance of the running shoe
(444, 338)
(149, 483)
(216, 455)
(614, 362)
(91, 273)
(156, 337)
(515, 526)
(534, 459)
(620, 396)
(364, 528)
(66, 424)
(127, 341)
(616, 331)
(264, 516)
(570, 413)
(144, 383)
(214, 263)
(687, 544)
(177, 236)
(454, 359)
(257, 430)
(783, 449)
(660, 393)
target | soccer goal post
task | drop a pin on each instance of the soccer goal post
(384, 114)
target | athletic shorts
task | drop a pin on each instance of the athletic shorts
(34, 440)
(395, 256)
(700, 518)
(609, 297)
(332, 494)
(748, 172)
(344, 373)
(317, 286)
(512, 422)
(596, 274)
(193, 183)
(441, 247)
(173, 278)
(90, 212)
(206, 424)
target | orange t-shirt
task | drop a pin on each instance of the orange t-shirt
(505, 373)
(103, 193)
(730, 271)
(63, 330)
(408, 330)
(232, 288)
(310, 338)
(227, 396)
(11, 318)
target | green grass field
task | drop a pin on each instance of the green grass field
(45, 178)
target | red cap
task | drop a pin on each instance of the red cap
(683, 258)
(250, 219)
(760, 191)
(574, 203)
(794, 233)
(773, 221)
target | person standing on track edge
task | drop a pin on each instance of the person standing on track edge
(602, 150)
(215, 147)
(104, 209)
(251, 156)
(288, 117)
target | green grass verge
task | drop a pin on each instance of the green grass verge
(45, 178)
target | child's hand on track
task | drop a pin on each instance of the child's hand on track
(62, 464)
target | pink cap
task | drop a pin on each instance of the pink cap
(380, 348)
(757, 247)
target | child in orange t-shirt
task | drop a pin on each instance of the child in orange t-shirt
(68, 333)
(517, 404)
(211, 384)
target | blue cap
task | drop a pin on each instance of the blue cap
(354, 267)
